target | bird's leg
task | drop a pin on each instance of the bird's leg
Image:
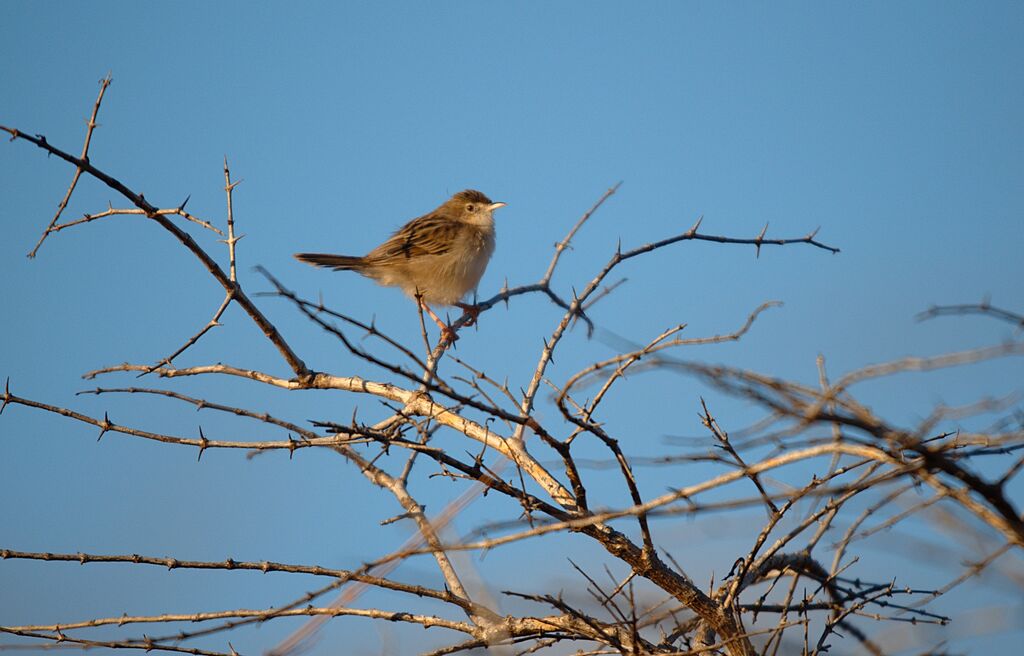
(447, 334)
(471, 311)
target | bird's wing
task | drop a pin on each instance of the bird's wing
(428, 235)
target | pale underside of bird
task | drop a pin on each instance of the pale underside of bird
(436, 258)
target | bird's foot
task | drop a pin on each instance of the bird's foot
(469, 313)
(448, 335)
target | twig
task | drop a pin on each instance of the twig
(91, 125)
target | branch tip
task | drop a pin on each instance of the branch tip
(7, 394)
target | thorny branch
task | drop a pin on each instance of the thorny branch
(817, 454)
(983, 308)
(90, 126)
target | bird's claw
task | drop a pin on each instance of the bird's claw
(448, 335)
(469, 313)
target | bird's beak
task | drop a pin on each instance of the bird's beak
(494, 206)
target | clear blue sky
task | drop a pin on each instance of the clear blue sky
(896, 127)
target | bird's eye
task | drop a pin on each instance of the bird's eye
(470, 208)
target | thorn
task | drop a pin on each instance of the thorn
(693, 229)
(813, 234)
(760, 237)
(396, 518)
(104, 427)
(291, 446)
(202, 444)
(181, 208)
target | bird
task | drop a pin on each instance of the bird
(436, 259)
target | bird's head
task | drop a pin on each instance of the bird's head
(471, 206)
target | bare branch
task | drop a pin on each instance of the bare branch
(269, 330)
(983, 308)
(91, 125)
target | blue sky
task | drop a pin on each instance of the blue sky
(895, 127)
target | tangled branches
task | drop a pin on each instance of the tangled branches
(820, 461)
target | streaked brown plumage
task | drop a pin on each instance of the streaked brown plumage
(436, 259)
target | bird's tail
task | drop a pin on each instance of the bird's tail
(336, 262)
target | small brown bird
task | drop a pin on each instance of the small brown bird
(436, 258)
